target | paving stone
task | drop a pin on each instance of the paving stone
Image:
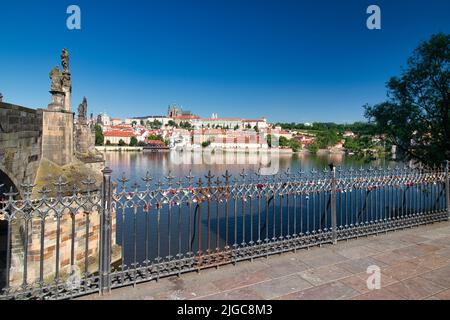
(182, 290)
(283, 267)
(439, 276)
(281, 286)
(391, 258)
(322, 275)
(356, 282)
(382, 245)
(412, 238)
(232, 281)
(444, 252)
(415, 288)
(358, 252)
(405, 270)
(444, 295)
(432, 261)
(328, 258)
(379, 295)
(329, 291)
(360, 265)
(440, 242)
(417, 250)
(246, 293)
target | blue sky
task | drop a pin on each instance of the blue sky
(296, 60)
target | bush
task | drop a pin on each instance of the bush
(295, 145)
(133, 142)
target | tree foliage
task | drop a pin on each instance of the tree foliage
(133, 142)
(416, 115)
(99, 137)
(172, 123)
(155, 137)
(324, 139)
(155, 124)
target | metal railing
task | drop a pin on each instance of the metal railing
(127, 234)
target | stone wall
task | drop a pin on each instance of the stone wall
(82, 222)
(20, 142)
(57, 136)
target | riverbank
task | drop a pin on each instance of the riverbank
(119, 148)
(198, 150)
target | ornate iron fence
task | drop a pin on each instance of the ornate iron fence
(65, 246)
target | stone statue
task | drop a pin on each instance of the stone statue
(56, 77)
(82, 110)
(65, 60)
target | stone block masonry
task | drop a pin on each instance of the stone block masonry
(57, 137)
(85, 229)
(20, 142)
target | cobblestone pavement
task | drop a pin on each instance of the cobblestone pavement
(414, 263)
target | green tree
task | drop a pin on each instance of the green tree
(206, 144)
(324, 139)
(269, 140)
(295, 145)
(99, 137)
(133, 142)
(185, 125)
(283, 141)
(416, 115)
(122, 143)
(156, 124)
(172, 123)
(155, 137)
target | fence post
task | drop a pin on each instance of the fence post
(333, 206)
(447, 187)
(105, 234)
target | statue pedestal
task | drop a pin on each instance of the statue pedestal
(57, 103)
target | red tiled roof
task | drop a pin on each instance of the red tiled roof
(122, 126)
(156, 142)
(254, 120)
(222, 119)
(119, 134)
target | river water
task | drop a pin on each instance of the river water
(135, 165)
(164, 225)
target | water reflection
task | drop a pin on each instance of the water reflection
(135, 165)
